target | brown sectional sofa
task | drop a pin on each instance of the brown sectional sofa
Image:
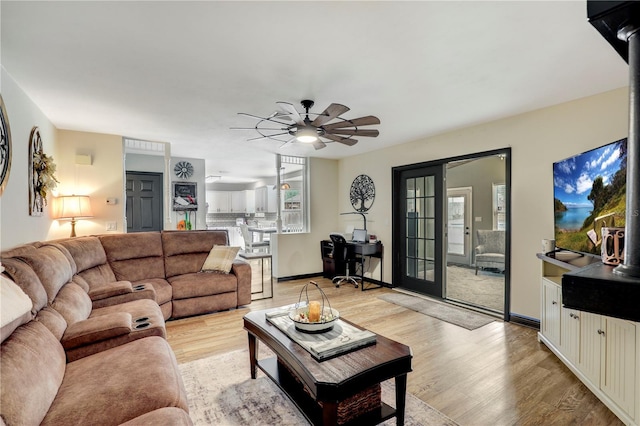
(91, 348)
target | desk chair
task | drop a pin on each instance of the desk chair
(343, 254)
(251, 246)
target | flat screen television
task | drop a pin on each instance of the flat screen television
(589, 191)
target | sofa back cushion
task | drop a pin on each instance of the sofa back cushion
(52, 267)
(33, 363)
(90, 259)
(134, 257)
(25, 277)
(186, 251)
(73, 303)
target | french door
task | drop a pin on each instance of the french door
(417, 229)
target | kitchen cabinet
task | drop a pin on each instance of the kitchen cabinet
(603, 352)
(227, 201)
(219, 201)
(265, 197)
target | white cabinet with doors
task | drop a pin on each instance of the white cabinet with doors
(265, 199)
(227, 201)
(603, 352)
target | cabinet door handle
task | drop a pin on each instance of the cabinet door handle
(553, 302)
(601, 332)
(571, 315)
(576, 317)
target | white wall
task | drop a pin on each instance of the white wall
(537, 139)
(299, 254)
(17, 226)
(103, 179)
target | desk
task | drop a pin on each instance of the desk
(362, 250)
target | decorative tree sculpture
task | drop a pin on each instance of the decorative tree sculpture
(362, 193)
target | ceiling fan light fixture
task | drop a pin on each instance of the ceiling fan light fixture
(306, 135)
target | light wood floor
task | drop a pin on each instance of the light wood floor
(495, 375)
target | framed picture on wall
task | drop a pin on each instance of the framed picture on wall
(185, 196)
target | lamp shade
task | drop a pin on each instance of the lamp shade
(72, 207)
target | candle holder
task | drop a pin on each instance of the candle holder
(313, 316)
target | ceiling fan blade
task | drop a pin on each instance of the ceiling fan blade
(287, 142)
(319, 144)
(362, 121)
(336, 138)
(253, 128)
(291, 111)
(267, 136)
(332, 111)
(356, 132)
(271, 118)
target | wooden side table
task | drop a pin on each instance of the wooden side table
(264, 261)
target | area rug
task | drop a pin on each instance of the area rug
(485, 289)
(440, 310)
(221, 392)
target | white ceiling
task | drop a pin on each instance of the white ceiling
(180, 72)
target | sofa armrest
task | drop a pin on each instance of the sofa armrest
(109, 289)
(242, 271)
(96, 329)
(480, 249)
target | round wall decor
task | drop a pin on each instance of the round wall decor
(5, 147)
(362, 193)
(183, 169)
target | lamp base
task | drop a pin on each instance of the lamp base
(73, 228)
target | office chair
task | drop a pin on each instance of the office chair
(343, 254)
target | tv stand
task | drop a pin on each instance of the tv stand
(602, 351)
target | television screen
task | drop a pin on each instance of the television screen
(589, 192)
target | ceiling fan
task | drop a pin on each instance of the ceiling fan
(289, 125)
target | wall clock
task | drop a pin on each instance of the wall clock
(183, 169)
(362, 193)
(5, 147)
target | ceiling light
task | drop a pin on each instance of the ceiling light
(307, 135)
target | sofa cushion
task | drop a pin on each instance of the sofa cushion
(168, 416)
(185, 252)
(52, 267)
(25, 277)
(72, 303)
(118, 385)
(53, 321)
(96, 329)
(135, 256)
(164, 291)
(33, 365)
(87, 252)
(15, 307)
(220, 259)
(202, 284)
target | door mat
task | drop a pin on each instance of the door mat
(440, 310)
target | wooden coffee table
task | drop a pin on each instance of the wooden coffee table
(319, 388)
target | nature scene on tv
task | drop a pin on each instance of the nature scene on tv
(589, 192)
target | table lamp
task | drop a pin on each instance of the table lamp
(73, 207)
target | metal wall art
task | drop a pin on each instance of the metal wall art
(362, 193)
(42, 171)
(5, 147)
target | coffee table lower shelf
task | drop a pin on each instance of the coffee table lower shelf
(307, 405)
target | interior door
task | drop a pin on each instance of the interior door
(418, 199)
(144, 201)
(459, 225)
